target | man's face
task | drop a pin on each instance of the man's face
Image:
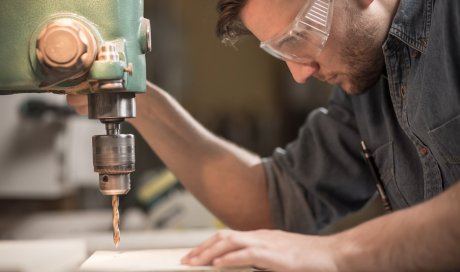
(352, 57)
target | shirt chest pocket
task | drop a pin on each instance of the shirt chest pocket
(446, 139)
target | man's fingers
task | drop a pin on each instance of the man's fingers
(220, 245)
(82, 110)
(216, 250)
(206, 244)
(79, 103)
(77, 100)
(254, 256)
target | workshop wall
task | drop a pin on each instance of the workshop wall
(240, 93)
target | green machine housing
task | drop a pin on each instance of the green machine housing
(80, 29)
(82, 47)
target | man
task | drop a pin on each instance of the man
(397, 66)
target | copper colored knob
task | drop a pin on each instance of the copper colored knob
(66, 44)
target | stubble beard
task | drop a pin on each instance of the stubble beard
(363, 55)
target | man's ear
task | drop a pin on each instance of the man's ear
(364, 3)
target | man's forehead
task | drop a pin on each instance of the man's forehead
(267, 18)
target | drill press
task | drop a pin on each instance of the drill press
(82, 47)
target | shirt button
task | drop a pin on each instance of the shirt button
(423, 42)
(402, 91)
(415, 54)
(423, 151)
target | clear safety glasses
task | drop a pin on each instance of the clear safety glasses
(306, 36)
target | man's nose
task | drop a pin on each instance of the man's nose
(301, 72)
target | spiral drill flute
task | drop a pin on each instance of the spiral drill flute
(115, 220)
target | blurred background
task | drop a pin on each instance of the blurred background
(47, 184)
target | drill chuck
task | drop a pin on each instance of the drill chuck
(113, 159)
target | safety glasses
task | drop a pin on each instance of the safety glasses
(306, 36)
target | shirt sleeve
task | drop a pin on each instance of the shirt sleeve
(321, 176)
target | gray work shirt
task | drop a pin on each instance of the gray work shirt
(410, 120)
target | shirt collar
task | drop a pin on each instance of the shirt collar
(412, 22)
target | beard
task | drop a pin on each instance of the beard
(362, 54)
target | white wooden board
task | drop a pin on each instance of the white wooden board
(155, 260)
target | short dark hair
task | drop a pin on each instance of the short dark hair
(229, 25)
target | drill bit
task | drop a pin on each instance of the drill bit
(115, 220)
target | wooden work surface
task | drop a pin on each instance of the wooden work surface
(155, 260)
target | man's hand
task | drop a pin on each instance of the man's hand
(269, 249)
(425, 237)
(79, 103)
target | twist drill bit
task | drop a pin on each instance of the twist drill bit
(115, 220)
